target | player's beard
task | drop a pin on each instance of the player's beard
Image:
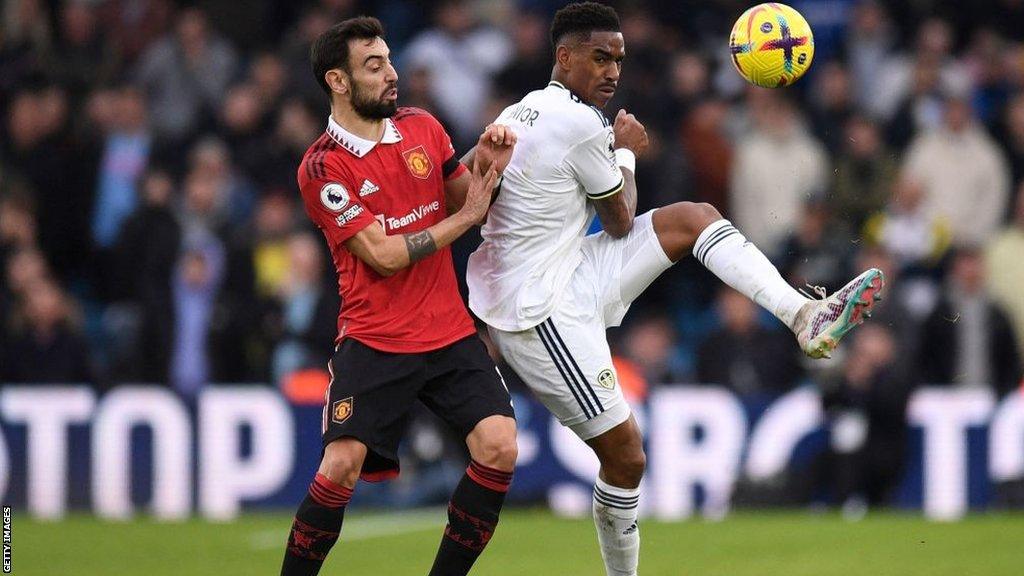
(373, 108)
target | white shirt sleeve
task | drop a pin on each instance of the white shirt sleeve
(592, 161)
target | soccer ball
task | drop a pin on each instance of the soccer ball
(771, 45)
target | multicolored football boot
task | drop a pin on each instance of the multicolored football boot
(820, 324)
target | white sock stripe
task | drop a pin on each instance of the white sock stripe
(619, 499)
(705, 250)
(704, 247)
(615, 490)
(615, 504)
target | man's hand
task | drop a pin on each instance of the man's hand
(630, 133)
(495, 148)
(478, 197)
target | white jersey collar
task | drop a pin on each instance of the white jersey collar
(358, 145)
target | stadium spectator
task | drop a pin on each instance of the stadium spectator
(916, 238)
(17, 223)
(145, 253)
(186, 75)
(23, 267)
(1012, 137)
(258, 269)
(777, 166)
(462, 56)
(40, 150)
(530, 64)
(81, 56)
(970, 340)
(272, 161)
(46, 348)
(242, 122)
(815, 253)
(306, 310)
(743, 355)
(126, 150)
(197, 278)
(900, 76)
(964, 174)
(865, 406)
(1005, 272)
(709, 153)
(651, 345)
(865, 170)
(687, 86)
(904, 308)
(831, 106)
(921, 108)
(134, 25)
(295, 52)
(870, 42)
(211, 161)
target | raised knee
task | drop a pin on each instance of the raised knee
(708, 212)
(691, 218)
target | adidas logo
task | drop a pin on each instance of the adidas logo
(630, 530)
(367, 188)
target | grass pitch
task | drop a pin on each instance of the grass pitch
(534, 543)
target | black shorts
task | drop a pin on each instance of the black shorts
(372, 394)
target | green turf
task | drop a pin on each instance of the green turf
(535, 543)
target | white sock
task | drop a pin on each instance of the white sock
(617, 529)
(723, 250)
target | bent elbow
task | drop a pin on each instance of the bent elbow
(619, 229)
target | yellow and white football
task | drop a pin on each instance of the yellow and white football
(771, 45)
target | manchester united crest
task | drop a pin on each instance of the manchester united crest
(418, 162)
(341, 410)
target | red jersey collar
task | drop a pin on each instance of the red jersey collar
(358, 146)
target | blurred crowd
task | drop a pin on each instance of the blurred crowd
(151, 229)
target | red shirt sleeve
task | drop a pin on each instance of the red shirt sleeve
(335, 208)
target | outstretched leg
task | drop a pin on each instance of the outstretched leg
(688, 227)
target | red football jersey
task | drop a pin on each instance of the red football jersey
(349, 183)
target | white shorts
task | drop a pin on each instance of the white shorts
(566, 360)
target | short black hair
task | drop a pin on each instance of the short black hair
(582, 18)
(330, 49)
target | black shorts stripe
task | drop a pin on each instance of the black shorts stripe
(718, 236)
(570, 381)
(583, 378)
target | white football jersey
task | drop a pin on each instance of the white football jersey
(531, 241)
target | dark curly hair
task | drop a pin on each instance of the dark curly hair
(330, 49)
(582, 18)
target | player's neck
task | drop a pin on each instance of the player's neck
(366, 128)
(561, 79)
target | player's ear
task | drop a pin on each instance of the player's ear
(562, 56)
(338, 81)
